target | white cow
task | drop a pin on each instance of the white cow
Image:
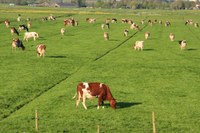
(139, 45)
(171, 36)
(28, 35)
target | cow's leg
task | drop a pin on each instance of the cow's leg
(78, 100)
(84, 97)
(102, 104)
(99, 101)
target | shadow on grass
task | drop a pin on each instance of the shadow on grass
(191, 49)
(148, 49)
(56, 56)
(121, 105)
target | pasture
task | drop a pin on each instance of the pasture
(161, 78)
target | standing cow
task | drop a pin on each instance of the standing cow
(41, 49)
(14, 30)
(139, 45)
(7, 23)
(94, 89)
(182, 44)
(28, 35)
(171, 36)
(106, 36)
(147, 35)
(16, 43)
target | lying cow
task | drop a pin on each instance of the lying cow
(139, 45)
(28, 35)
(16, 43)
(92, 90)
(106, 36)
(182, 44)
(171, 36)
(41, 49)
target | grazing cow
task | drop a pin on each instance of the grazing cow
(106, 36)
(51, 17)
(167, 23)
(142, 22)
(196, 25)
(41, 49)
(91, 20)
(150, 22)
(62, 31)
(147, 35)
(139, 45)
(22, 27)
(171, 36)
(7, 23)
(14, 30)
(189, 21)
(126, 32)
(107, 25)
(16, 43)
(70, 21)
(134, 26)
(92, 90)
(29, 24)
(19, 18)
(28, 35)
(160, 22)
(182, 44)
(114, 20)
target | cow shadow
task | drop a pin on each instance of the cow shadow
(121, 105)
(56, 56)
(148, 49)
(191, 49)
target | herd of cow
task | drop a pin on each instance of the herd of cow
(17, 43)
(94, 89)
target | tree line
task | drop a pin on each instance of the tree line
(132, 4)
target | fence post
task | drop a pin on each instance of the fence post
(36, 120)
(98, 129)
(154, 122)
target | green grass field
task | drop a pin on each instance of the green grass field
(161, 78)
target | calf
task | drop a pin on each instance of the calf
(106, 36)
(28, 35)
(182, 44)
(14, 30)
(114, 20)
(147, 35)
(167, 23)
(16, 43)
(139, 45)
(171, 36)
(94, 89)
(41, 49)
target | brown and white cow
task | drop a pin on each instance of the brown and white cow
(106, 36)
(41, 49)
(91, 90)
(70, 21)
(182, 44)
(147, 35)
(171, 36)
(139, 45)
(7, 23)
(28, 35)
(29, 24)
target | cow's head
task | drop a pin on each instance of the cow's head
(113, 103)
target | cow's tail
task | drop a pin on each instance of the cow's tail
(74, 96)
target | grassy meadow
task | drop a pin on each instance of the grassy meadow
(161, 78)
